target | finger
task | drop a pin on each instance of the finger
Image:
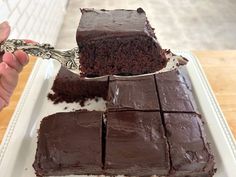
(4, 97)
(9, 77)
(3, 103)
(4, 31)
(11, 60)
(5, 91)
(22, 57)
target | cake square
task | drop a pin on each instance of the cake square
(189, 151)
(136, 144)
(171, 76)
(69, 143)
(112, 42)
(138, 93)
(175, 95)
(70, 87)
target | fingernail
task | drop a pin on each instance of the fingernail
(5, 28)
(3, 24)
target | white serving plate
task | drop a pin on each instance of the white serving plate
(19, 143)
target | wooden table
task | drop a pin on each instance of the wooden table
(219, 66)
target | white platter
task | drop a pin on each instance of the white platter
(18, 147)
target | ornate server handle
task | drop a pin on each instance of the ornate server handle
(68, 58)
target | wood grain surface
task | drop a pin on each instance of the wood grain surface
(220, 69)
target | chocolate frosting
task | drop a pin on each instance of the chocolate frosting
(136, 144)
(137, 93)
(69, 143)
(189, 151)
(171, 76)
(174, 93)
(96, 24)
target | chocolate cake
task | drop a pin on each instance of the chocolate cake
(138, 93)
(112, 42)
(69, 87)
(69, 143)
(189, 150)
(136, 144)
(174, 93)
(152, 125)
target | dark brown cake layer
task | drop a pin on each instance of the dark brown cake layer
(69, 87)
(175, 93)
(137, 93)
(136, 144)
(189, 150)
(120, 42)
(69, 143)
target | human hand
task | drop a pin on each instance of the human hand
(11, 64)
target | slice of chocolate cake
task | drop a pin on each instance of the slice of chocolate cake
(69, 143)
(136, 93)
(175, 93)
(120, 42)
(69, 87)
(136, 144)
(189, 150)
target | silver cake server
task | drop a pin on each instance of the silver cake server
(70, 58)
(67, 58)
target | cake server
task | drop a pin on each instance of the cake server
(67, 58)
(70, 58)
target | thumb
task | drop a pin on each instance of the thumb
(4, 31)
